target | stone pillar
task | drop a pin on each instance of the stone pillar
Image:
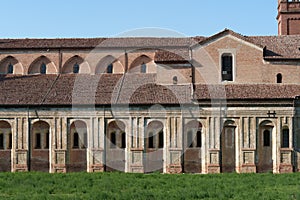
(59, 145)
(96, 151)
(174, 151)
(20, 159)
(248, 131)
(213, 128)
(135, 148)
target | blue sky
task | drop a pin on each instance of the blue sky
(108, 18)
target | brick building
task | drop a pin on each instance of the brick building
(225, 103)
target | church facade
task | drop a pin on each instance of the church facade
(225, 103)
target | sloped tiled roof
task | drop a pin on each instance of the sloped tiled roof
(131, 89)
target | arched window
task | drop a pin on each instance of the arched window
(76, 68)
(267, 138)
(109, 69)
(123, 141)
(76, 140)
(143, 68)
(279, 78)
(190, 139)
(1, 141)
(10, 141)
(43, 68)
(199, 139)
(285, 138)
(161, 139)
(38, 141)
(113, 140)
(151, 140)
(227, 67)
(175, 80)
(10, 69)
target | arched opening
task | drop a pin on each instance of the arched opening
(140, 64)
(192, 147)
(5, 146)
(227, 67)
(264, 147)
(77, 144)
(154, 143)
(279, 78)
(39, 152)
(75, 65)
(115, 146)
(228, 164)
(109, 65)
(10, 65)
(42, 65)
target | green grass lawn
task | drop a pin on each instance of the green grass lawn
(151, 186)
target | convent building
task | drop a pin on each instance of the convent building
(225, 103)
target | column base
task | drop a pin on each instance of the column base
(174, 169)
(249, 168)
(213, 169)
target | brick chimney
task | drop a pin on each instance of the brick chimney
(288, 17)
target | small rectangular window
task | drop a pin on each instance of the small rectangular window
(38, 141)
(199, 139)
(267, 138)
(161, 139)
(113, 140)
(151, 141)
(1, 141)
(227, 67)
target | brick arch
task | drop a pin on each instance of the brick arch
(192, 147)
(115, 146)
(35, 66)
(4, 65)
(265, 146)
(136, 65)
(77, 146)
(84, 67)
(39, 146)
(6, 146)
(228, 147)
(103, 64)
(154, 145)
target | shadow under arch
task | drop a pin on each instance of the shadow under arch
(265, 147)
(109, 64)
(140, 64)
(39, 146)
(76, 64)
(115, 144)
(10, 65)
(42, 65)
(5, 146)
(154, 147)
(77, 147)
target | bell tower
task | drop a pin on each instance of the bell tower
(288, 17)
